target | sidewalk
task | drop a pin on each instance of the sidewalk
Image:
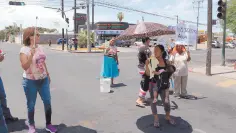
(79, 50)
(223, 71)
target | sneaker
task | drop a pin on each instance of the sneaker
(50, 128)
(31, 127)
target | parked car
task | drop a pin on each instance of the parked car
(127, 43)
(215, 44)
(59, 41)
(122, 43)
(138, 43)
(153, 42)
(229, 45)
(119, 43)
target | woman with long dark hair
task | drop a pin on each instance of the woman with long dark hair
(160, 54)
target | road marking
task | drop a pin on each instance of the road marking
(226, 83)
(199, 130)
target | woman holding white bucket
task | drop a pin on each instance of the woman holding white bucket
(110, 64)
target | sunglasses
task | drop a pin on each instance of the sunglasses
(36, 35)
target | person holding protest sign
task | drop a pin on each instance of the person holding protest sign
(179, 58)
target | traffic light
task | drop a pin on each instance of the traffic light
(67, 20)
(16, 3)
(221, 9)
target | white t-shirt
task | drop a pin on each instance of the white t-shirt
(181, 63)
(37, 69)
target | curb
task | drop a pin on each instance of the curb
(84, 52)
(75, 51)
(58, 50)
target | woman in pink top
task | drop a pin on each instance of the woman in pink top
(36, 78)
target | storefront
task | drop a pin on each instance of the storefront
(107, 30)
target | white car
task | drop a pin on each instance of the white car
(138, 43)
(153, 42)
(229, 45)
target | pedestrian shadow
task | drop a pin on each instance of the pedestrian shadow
(145, 124)
(17, 126)
(62, 128)
(192, 97)
(118, 85)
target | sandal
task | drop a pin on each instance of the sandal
(171, 122)
(140, 104)
(156, 124)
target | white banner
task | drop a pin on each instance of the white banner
(186, 34)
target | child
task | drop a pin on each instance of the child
(162, 77)
(155, 90)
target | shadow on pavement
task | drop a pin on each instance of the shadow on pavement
(145, 124)
(118, 85)
(62, 128)
(17, 126)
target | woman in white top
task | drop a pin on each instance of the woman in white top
(180, 58)
(36, 78)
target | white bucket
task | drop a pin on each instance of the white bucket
(105, 85)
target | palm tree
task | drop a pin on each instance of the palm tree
(82, 39)
(120, 16)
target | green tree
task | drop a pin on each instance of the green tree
(82, 39)
(42, 30)
(2, 34)
(231, 16)
(13, 30)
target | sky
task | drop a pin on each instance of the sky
(185, 9)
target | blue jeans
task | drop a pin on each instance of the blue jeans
(5, 109)
(31, 88)
(3, 126)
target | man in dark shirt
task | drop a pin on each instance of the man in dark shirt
(143, 55)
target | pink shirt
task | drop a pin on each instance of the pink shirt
(37, 69)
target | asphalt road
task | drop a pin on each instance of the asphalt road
(79, 107)
(199, 56)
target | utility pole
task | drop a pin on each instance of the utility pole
(209, 38)
(93, 14)
(21, 35)
(177, 17)
(62, 13)
(88, 28)
(75, 29)
(198, 7)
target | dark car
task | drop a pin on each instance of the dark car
(122, 43)
(59, 41)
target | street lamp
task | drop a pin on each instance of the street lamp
(67, 20)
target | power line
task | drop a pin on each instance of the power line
(198, 7)
(114, 5)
